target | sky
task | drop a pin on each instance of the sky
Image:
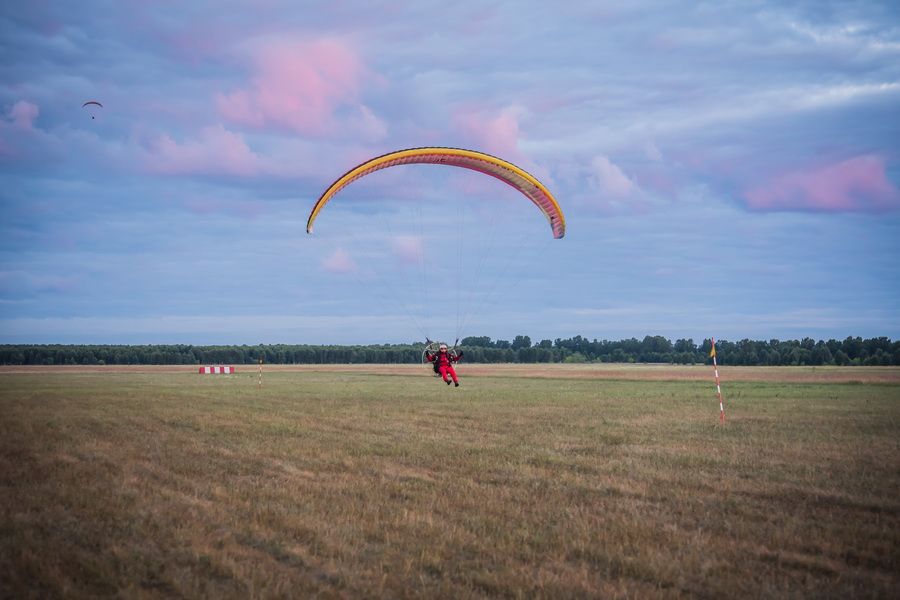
(726, 169)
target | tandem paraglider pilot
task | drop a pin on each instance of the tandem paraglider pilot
(443, 361)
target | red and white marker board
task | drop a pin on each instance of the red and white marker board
(216, 370)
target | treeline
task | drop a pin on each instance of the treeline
(658, 349)
(651, 349)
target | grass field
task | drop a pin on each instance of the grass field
(350, 483)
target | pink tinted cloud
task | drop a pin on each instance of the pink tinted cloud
(408, 249)
(23, 114)
(297, 85)
(609, 178)
(17, 131)
(855, 185)
(216, 151)
(339, 262)
(496, 134)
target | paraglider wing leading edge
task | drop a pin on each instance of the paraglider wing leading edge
(505, 171)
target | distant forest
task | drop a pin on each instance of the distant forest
(652, 349)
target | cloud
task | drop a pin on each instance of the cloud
(22, 284)
(23, 114)
(652, 152)
(18, 120)
(340, 262)
(408, 249)
(208, 329)
(609, 179)
(496, 134)
(855, 185)
(367, 125)
(300, 86)
(19, 137)
(217, 151)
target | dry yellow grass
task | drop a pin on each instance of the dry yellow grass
(349, 484)
(632, 372)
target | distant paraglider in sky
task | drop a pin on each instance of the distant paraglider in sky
(89, 105)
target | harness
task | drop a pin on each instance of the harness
(437, 361)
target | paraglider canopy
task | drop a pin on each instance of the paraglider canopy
(91, 103)
(505, 171)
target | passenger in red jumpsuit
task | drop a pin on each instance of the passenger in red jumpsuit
(443, 364)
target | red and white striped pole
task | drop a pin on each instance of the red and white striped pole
(712, 353)
(259, 384)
